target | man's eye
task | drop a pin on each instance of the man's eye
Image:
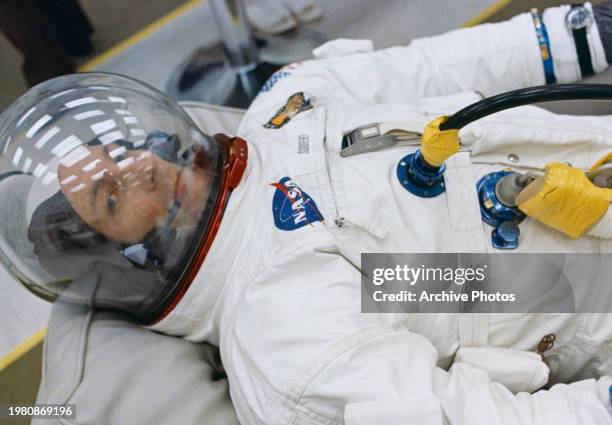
(112, 201)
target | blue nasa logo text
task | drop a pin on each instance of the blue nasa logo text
(292, 208)
(275, 78)
(285, 71)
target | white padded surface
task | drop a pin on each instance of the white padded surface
(213, 119)
(116, 372)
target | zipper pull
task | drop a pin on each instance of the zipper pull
(339, 221)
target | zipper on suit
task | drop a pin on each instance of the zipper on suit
(339, 221)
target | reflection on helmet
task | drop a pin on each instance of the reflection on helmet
(107, 189)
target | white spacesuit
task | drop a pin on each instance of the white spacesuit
(118, 201)
(279, 290)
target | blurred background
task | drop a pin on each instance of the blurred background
(175, 46)
(111, 21)
(42, 38)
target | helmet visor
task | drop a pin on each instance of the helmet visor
(109, 187)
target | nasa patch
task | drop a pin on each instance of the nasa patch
(292, 208)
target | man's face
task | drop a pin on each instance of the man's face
(121, 193)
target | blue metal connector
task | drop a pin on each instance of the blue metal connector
(505, 219)
(506, 236)
(420, 178)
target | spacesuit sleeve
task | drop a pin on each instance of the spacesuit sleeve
(487, 59)
(394, 377)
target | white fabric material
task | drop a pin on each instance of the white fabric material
(508, 138)
(563, 48)
(519, 371)
(284, 305)
(463, 205)
(402, 411)
(213, 119)
(603, 229)
(342, 47)
(135, 376)
(473, 330)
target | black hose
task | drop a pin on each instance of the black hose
(526, 96)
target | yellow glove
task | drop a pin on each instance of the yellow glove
(565, 199)
(437, 145)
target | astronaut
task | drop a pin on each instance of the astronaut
(253, 243)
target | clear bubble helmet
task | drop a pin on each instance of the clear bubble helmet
(111, 196)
